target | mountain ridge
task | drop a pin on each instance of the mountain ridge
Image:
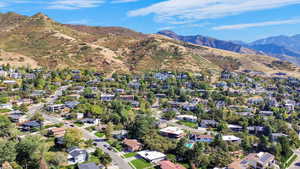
(50, 44)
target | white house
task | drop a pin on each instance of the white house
(76, 155)
(189, 118)
(231, 138)
(152, 156)
(172, 132)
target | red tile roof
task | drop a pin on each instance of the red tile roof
(169, 165)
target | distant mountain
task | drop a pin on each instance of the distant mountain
(283, 47)
(209, 42)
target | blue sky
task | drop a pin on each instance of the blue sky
(245, 20)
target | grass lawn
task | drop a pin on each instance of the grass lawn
(141, 163)
(188, 124)
(94, 159)
(78, 124)
(4, 110)
(99, 134)
(128, 155)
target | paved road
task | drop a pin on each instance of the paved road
(116, 159)
(296, 163)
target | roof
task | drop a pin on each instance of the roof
(151, 155)
(230, 138)
(88, 166)
(32, 124)
(131, 142)
(169, 165)
(172, 130)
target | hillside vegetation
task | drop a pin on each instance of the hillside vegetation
(44, 42)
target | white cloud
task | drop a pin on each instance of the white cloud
(74, 4)
(173, 11)
(258, 24)
(124, 1)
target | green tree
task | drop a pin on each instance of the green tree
(72, 137)
(7, 151)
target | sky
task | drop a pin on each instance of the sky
(245, 20)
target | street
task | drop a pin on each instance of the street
(116, 159)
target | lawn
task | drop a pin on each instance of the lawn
(4, 110)
(128, 155)
(141, 163)
(99, 134)
(188, 124)
(78, 124)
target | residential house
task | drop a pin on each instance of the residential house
(90, 121)
(231, 138)
(262, 160)
(290, 105)
(152, 156)
(201, 138)
(71, 104)
(266, 113)
(9, 82)
(88, 166)
(31, 126)
(17, 117)
(55, 107)
(6, 106)
(189, 118)
(132, 145)
(255, 129)
(208, 123)
(172, 132)
(107, 97)
(3, 73)
(76, 155)
(166, 164)
(255, 100)
(127, 97)
(15, 75)
(56, 132)
(120, 134)
(235, 128)
(276, 136)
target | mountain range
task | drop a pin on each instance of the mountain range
(286, 48)
(39, 41)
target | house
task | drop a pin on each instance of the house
(6, 106)
(172, 132)
(276, 136)
(220, 104)
(31, 126)
(255, 100)
(71, 104)
(127, 97)
(231, 138)
(3, 73)
(262, 160)
(17, 117)
(9, 82)
(56, 132)
(255, 129)
(290, 105)
(29, 76)
(37, 93)
(152, 156)
(166, 164)
(189, 118)
(107, 97)
(24, 102)
(201, 138)
(88, 166)
(132, 145)
(266, 113)
(235, 128)
(90, 121)
(55, 107)
(15, 75)
(208, 123)
(76, 155)
(120, 134)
